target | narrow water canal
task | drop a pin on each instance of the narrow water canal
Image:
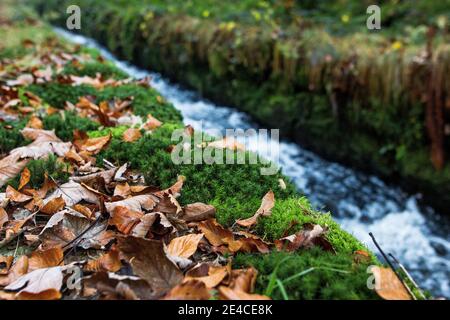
(416, 235)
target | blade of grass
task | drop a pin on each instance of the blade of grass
(282, 289)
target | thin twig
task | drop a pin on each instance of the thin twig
(402, 267)
(391, 266)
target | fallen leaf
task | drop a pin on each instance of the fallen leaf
(125, 219)
(197, 212)
(215, 275)
(265, 209)
(16, 196)
(45, 258)
(149, 261)
(226, 293)
(151, 123)
(387, 285)
(227, 143)
(64, 227)
(35, 123)
(108, 284)
(53, 206)
(19, 268)
(107, 262)
(217, 235)
(3, 217)
(5, 264)
(122, 190)
(131, 135)
(10, 167)
(184, 246)
(93, 145)
(189, 290)
(72, 193)
(40, 284)
(136, 203)
(24, 178)
(311, 235)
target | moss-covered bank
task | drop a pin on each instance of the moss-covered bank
(358, 99)
(235, 190)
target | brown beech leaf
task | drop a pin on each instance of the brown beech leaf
(311, 235)
(243, 279)
(45, 258)
(265, 209)
(5, 264)
(64, 227)
(16, 196)
(174, 190)
(184, 246)
(107, 262)
(19, 268)
(93, 145)
(35, 123)
(149, 261)
(72, 193)
(189, 290)
(39, 149)
(226, 293)
(198, 212)
(53, 206)
(40, 135)
(151, 123)
(24, 178)
(85, 211)
(388, 286)
(125, 219)
(213, 277)
(131, 135)
(217, 235)
(112, 286)
(122, 190)
(3, 217)
(136, 203)
(144, 226)
(226, 143)
(40, 284)
(10, 167)
(168, 204)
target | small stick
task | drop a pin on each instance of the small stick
(402, 267)
(392, 266)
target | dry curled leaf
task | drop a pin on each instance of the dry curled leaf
(189, 290)
(124, 219)
(24, 178)
(45, 258)
(10, 167)
(131, 135)
(265, 209)
(184, 246)
(149, 261)
(388, 286)
(3, 217)
(107, 262)
(197, 212)
(40, 284)
(16, 196)
(19, 268)
(53, 206)
(226, 293)
(218, 235)
(311, 235)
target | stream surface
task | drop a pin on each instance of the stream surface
(361, 203)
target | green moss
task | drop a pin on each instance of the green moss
(64, 124)
(56, 94)
(10, 136)
(333, 276)
(90, 69)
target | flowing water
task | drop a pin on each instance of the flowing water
(362, 203)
